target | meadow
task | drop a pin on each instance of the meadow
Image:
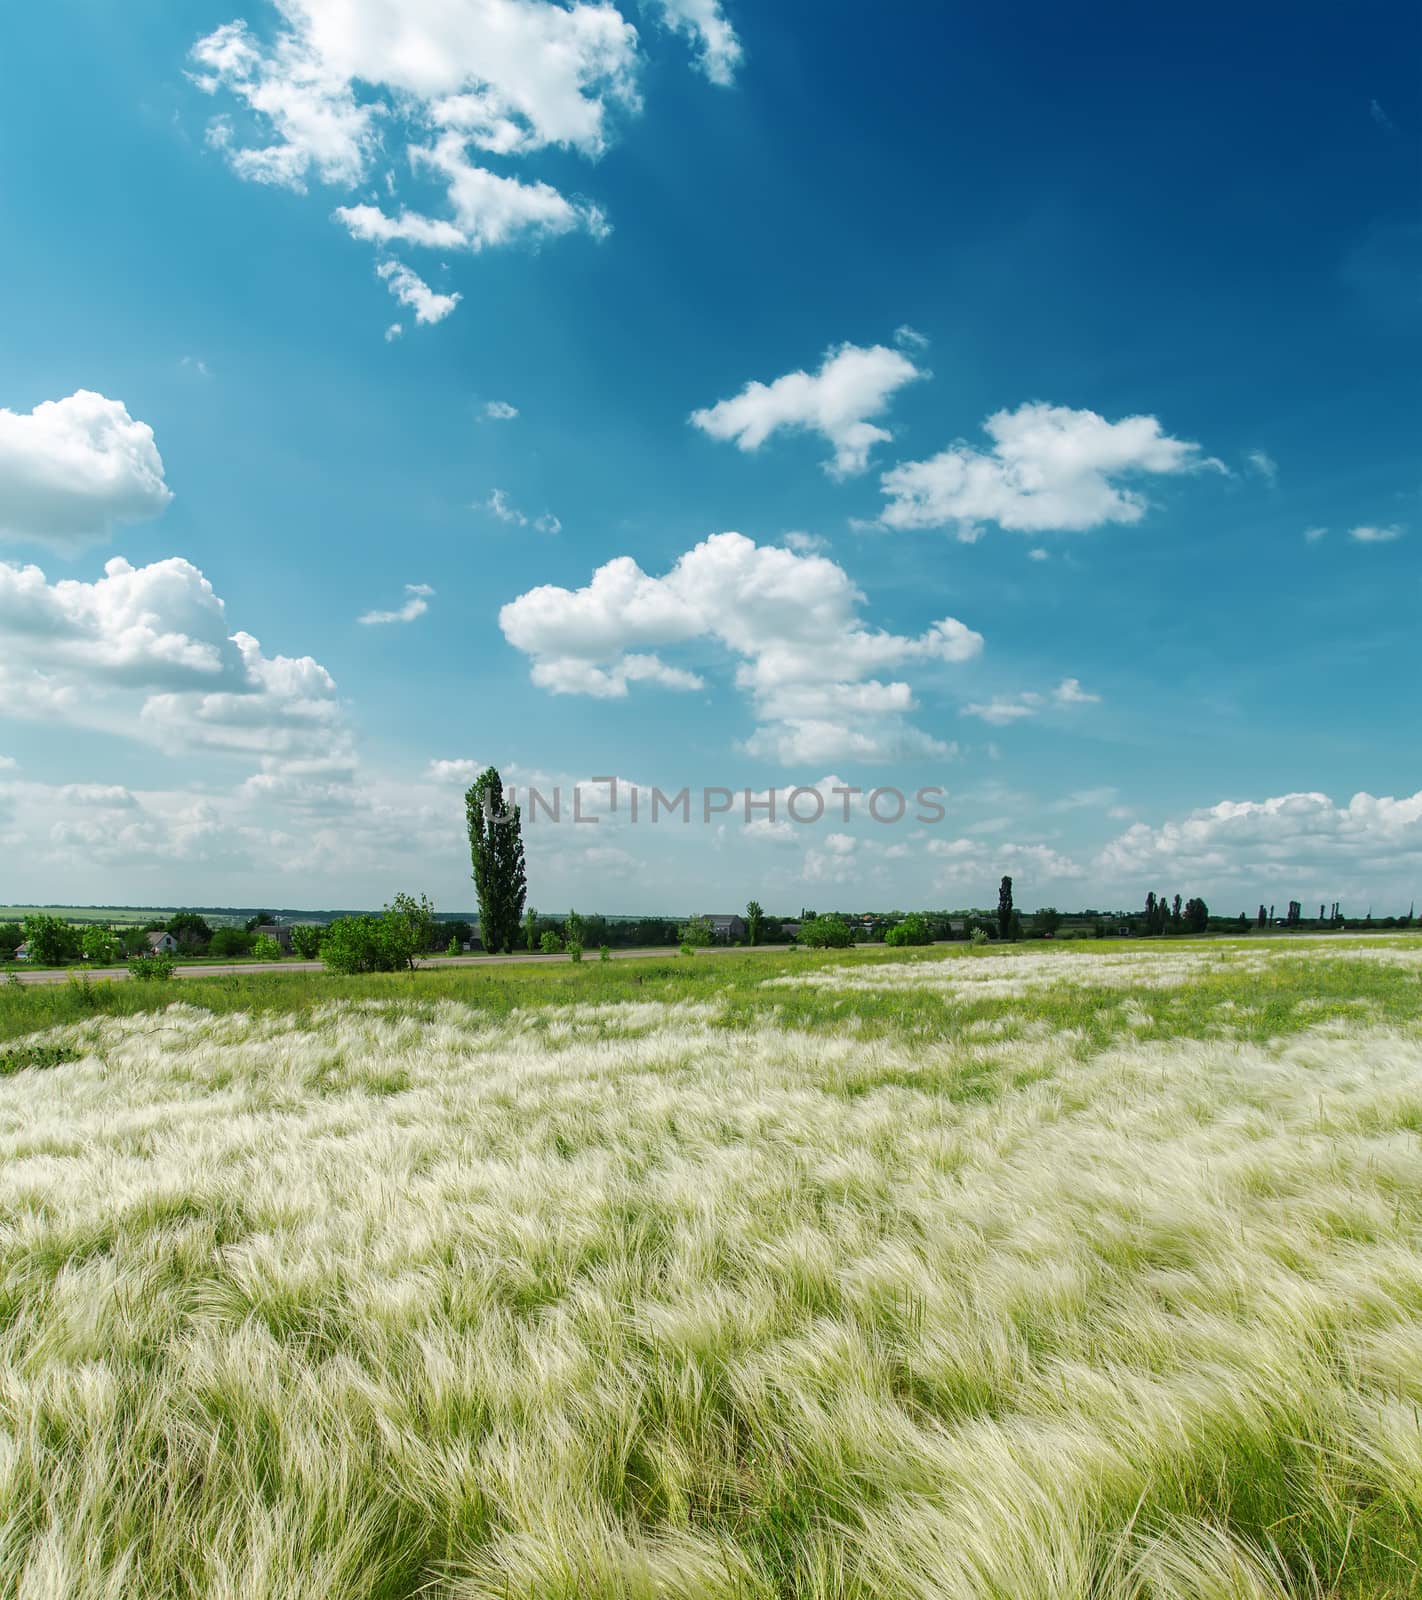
(1027, 1274)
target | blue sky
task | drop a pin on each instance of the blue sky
(1075, 330)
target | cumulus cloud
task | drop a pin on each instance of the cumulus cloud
(70, 470)
(1374, 535)
(411, 290)
(1048, 468)
(706, 24)
(460, 770)
(148, 652)
(500, 411)
(852, 385)
(332, 89)
(499, 506)
(415, 606)
(1302, 844)
(805, 659)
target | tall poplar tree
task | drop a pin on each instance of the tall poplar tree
(496, 850)
(1004, 910)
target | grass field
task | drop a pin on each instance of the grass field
(1034, 1274)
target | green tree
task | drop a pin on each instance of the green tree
(51, 940)
(549, 943)
(755, 921)
(306, 940)
(914, 929)
(496, 852)
(696, 933)
(369, 944)
(418, 917)
(530, 928)
(265, 948)
(190, 930)
(1047, 921)
(1004, 909)
(12, 936)
(1197, 915)
(100, 945)
(230, 943)
(263, 919)
(826, 933)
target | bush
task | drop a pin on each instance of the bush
(688, 949)
(697, 933)
(229, 943)
(370, 944)
(265, 948)
(575, 949)
(306, 940)
(978, 939)
(914, 929)
(826, 933)
(604, 953)
(550, 944)
(155, 967)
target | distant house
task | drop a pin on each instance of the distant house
(162, 944)
(727, 929)
(791, 929)
(23, 953)
(281, 932)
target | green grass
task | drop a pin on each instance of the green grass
(1033, 1275)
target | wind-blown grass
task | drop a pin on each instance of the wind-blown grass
(887, 1282)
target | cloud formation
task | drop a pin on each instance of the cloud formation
(852, 385)
(415, 606)
(804, 657)
(337, 84)
(411, 290)
(1049, 468)
(499, 506)
(1002, 710)
(147, 652)
(71, 470)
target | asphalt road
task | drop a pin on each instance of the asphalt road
(212, 970)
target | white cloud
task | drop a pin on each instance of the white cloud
(393, 332)
(1313, 535)
(195, 365)
(1295, 844)
(1002, 710)
(908, 338)
(147, 652)
(706, 24)
(805, 659)
(499, 506)
(1375, 535)
(335, 88)
(411, 290)
(1039, 554)
(1049, 467)
(461, 771)
(852, 385)
(70, 470)
(1263, 465)
(966, 861)
(1380, 117)
(1070, 693)
(500, 411)
(805, 544)
(415, 606)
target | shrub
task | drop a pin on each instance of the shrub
(550, 944)
(978, 939)
(265, 948)
(575, 949)
(696, 933)
(155, 967)
(306, 940)
(914, 929)
(604, 953)
(826, 933)
(370, 944)
(231, 942)
(688, 949)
